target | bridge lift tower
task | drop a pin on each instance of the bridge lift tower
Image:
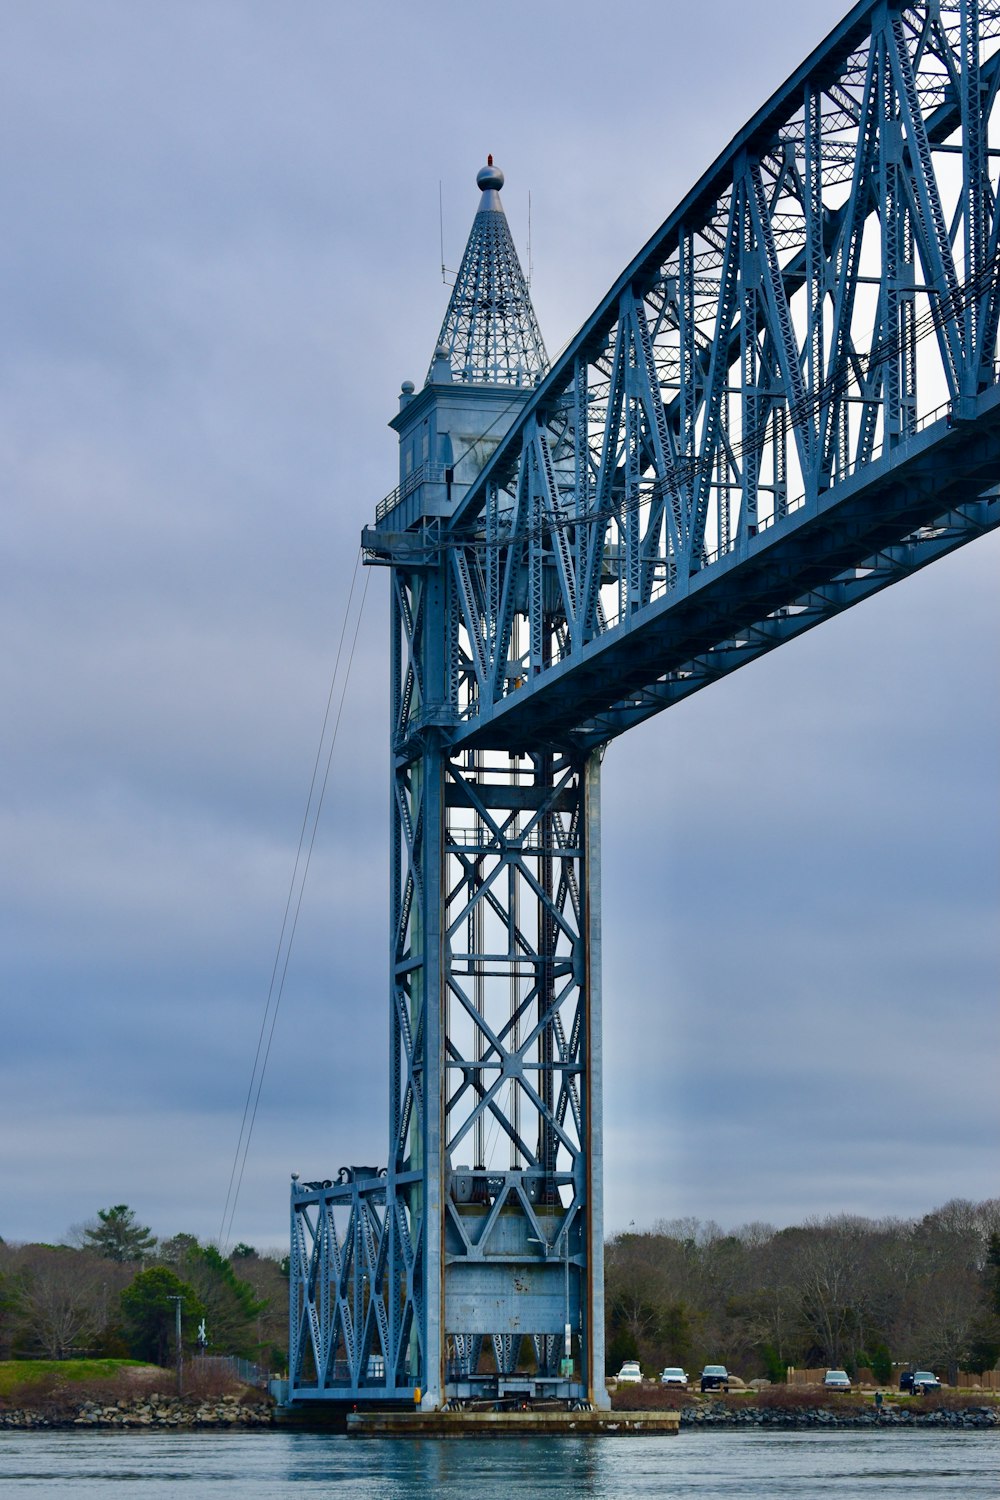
(788, 401)
(488, 1214)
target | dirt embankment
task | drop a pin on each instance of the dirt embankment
(130, 1398)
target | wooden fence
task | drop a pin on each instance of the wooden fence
(989, 1381)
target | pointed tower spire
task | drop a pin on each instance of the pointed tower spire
(490, 334)
(488, 358)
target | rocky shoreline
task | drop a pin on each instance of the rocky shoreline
(776, 1418)
(159, 1411)
(144, 1412)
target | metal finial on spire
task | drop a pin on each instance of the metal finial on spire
(489, 176)
(490, 332)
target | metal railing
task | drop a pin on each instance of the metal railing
(423, 474)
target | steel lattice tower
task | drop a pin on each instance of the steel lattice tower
(494, 1122)
(492, 1192)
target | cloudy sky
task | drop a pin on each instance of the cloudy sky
(219, 258)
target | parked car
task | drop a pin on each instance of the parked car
(837, 1380)
(924, 1381)
(906, 1380)
(674, 1375)
(714, 1376)
(630, 1373)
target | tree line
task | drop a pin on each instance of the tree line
(112, 1294)
(844, 1292)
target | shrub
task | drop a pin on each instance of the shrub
(939, 1401)
(649, 1398)
(879, 1361)
(798, 1397)
(209, 1383)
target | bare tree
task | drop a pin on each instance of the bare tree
(940, 1318)
(64, 1298)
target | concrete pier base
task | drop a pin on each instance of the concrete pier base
(474, 1422)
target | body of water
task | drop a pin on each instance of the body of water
(287, 1465)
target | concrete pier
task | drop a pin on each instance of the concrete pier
(475, 1422)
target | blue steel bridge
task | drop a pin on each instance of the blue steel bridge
(788, 401)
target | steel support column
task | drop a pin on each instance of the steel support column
(496, 1030)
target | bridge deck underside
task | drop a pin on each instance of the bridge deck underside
(893, 519)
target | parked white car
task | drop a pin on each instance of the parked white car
(674, 1375)
(630, 1373)
(837, 1380)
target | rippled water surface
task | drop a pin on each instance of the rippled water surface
(283, 1465)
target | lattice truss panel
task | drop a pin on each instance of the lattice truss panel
(352, 1264)
(837, 291)
(513, 922)
(506, 1071)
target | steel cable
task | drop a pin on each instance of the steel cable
(273, 1002)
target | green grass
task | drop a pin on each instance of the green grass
(17, 1373)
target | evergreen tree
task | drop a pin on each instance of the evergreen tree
(149, 1314)
(993, 1273)
(231, 1307)
(118, 1237)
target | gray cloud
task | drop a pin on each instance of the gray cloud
(221, 255)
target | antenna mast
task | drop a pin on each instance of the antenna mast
(441, 225)
(530, 263)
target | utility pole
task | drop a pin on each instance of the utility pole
(177, 1300)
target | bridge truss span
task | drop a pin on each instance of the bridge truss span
(782, 371)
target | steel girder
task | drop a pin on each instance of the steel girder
(788, 399)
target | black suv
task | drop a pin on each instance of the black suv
(714, 1376)
(919, 1382)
